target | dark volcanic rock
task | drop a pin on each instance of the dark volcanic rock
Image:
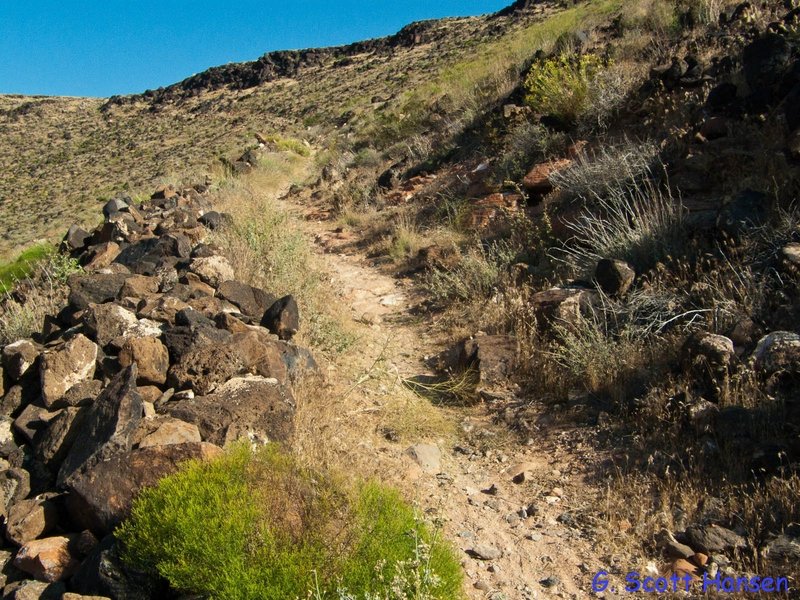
(107, 425)
(103, 573)
(254, 408)
(100, 492)
(282, 318)
(95, 288)
(614, 277)
(252, 301)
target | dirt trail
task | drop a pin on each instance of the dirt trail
(542, 552)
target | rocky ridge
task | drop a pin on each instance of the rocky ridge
(158, 357)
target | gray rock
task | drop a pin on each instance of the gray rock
(485, 552)
(778, 353)
(31, 519)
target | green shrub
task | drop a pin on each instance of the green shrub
(564, 86)
(255, 524)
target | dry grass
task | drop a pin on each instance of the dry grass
(267, 249)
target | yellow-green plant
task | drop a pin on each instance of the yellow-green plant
(564, 86)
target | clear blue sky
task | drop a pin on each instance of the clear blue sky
(106, 47)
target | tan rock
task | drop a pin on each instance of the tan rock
(537, 181)
(30, 519)
(172, 431)
(213, 270)
(102, 255)
(19, 357)
(47, 560)
(139, 286)
(66, 366)
(151, 357)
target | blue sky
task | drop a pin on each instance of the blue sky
(106, 47)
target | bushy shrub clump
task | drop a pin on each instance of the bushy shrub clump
(564, 86)
(253, 524)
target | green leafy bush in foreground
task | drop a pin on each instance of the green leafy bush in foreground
(256, 525)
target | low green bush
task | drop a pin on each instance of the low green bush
(253, 524)
(564, 86)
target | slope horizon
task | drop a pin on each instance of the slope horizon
(50, 51)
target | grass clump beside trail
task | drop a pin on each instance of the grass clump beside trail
(255, 524)
(23, 265)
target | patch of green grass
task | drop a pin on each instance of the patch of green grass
(255, 524)
(23, 266)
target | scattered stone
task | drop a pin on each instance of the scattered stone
(550, 582)
(48, 559)
(427, 456)
(537, 181)
(563, 305)
(484, 552)
(521, 472)
(672, 547)
(67, 366)
(54, 442)
(93, 288)
(33, 590)
(782, 549)
(15, 486)
(778, 353)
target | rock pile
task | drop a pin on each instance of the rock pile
(159, 356)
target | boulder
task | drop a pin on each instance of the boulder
(103, 573)
(31, 519)
(15, 486)
(161, 308)
(49, 560)
(111, 324)
(7, 443)
(18, 357)
(710, 539)
(492, 357)
(614, 277)
(254, 407)
(66, 366)
(563, 305)
(75, 239)
(204, 367)
(778, 353)
(214, 270)
(108, 424)
(100, 256)
(32, 420)
(282, 318)
(151, 358)
(166, 431)
(94, 288)
(101, 492)
(81, 394)
(251, 301)
(114, 205)
(53, 443)
(764, 63)
(139, 286)
(33, 590)
(537, 181)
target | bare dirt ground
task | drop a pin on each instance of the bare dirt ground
(518, 540)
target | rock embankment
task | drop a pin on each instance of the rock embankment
(159, 356)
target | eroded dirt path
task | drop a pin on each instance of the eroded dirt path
(518, 540)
